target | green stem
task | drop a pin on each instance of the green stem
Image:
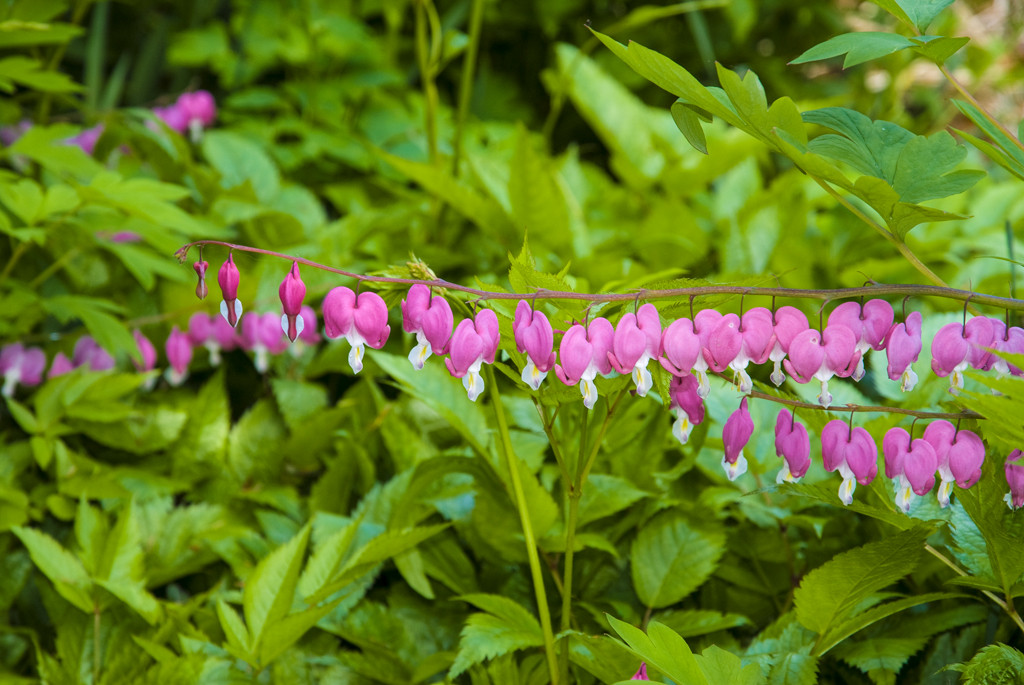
(19, 251)
(574, 490)
(43, 111)
(505, 444)
(984, 112)
(1006, 605)
(427, 76)
(476, 18)
(96, 643)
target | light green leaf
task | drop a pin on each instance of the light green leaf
(671, 558)
(917, 14)
(831, 593)
(876, 613)
(31, 74)
(509, 627)
(880, 653)
(694, 622)
(535, 192)
(270, 588)
(688, 120)
(24, 199)
(63, 569)
(240, 160)
(719, 666)
(939, 48)
(235, 631)
(860, 47)
(282, 634)
(663, 649)
(794, 669)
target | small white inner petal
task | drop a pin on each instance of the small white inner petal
(737, 469)
(778, 378)
(846, 490)
(473, 382)
(589, 392)
(703, 385)
(825, 397)
(784, 475)
(682, 427)
(908, 380)
(355, 357)
(905, 498)
(262, 360)
(642, 379)
(419, 354)
(945, 490)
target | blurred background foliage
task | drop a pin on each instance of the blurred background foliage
(348, 132)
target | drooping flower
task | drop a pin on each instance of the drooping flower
(60, 366)
(911, 465)
(635, 342)
(821, 356)
(292, 291)
(179, 356)
(902, 348)
(228, 278)
(473, 343)
(87, 352)
(309, 333)
(687, 404)
(146, 351)
(794, 445)
(214, 333)
(200, 268)
(641, 673)
(536, 339)
(735, 434)
(952, 347)
(584, 354)
(198, 110)
(959, 454)
(870, 324)
(86, 140)
(262, 335)
(788, 321)
(680, 348)
(756, 331)
(20, 365)
(430, 319)
(361, 321)
(852, 452)
(723, 342)
(1010, 342)
(704, 324)
(1014, 469)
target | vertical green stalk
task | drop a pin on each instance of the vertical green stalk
(575, 491)
(96, 643)
(423, 57)
(43, 111)
(466, 85)
(505, 443)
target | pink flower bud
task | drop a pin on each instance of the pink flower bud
(200, 268)
(584, 354)
(641, 674)
(473, 343)
(60, 366)
(228, 278)
(794, 445)
(146, 351)
(179, 356)
(735, 435)
(292, 291)
(361, 321)
(198, 107)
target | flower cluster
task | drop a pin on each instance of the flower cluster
(190, 113)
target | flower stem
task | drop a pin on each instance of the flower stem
(575, 491)
(476, 17)
(426, 14)
(877, 290)
(505, 444)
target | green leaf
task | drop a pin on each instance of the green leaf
(240, 160)
(234, 630)
(24, 199)
(270, 588)
(121, 570)
(604, 495)
(63, 569)
(31, 74)
(282, 634)
(22, 415)
(832, 592)
(719, 666)
(1004, 142)
(688, 121)
(917, 14)
(794, 669)
(671, 558)
(939, 48)
(881, 653)
(45, 145)
(858, 47)
(663, 649)
(992, 664)
(694, 622)
(18, 34)
(536, 193)
(845, 629)
(506, 628)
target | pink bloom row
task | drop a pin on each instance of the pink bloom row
(955, 456)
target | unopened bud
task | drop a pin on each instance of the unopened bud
(200, 268)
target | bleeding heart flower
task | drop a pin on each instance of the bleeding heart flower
(473, 343)
(952, 347)
(430, 319)
(680, 348)
(362, 321)
(820, 356)
(959, 454)
(534, 337)
(1014, 469)
(88, 353)
(852, 452)
(869, 324)
(179, 356)
(292, 291)
(911, 466)
(735, 435)
(788, 321)
(687, 404)
(902, 347)
(200, 268)
(584, 354)
(309, 332)
(20, 365)
(146, 350)
(794, 445)
(704, 324)
(636, 342)
(756, 331)
(227, 279)
(60, 366)
(1010, 342)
